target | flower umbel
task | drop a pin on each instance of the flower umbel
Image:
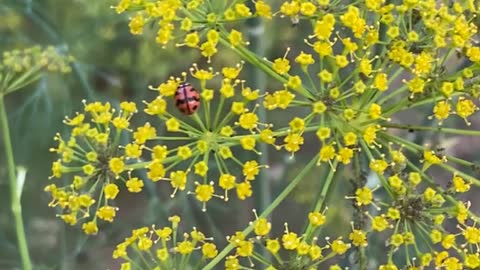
(95, 163)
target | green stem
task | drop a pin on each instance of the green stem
(322, 196)
(267, 211)
(260, 63)
(436, 129)
(15, 195)
(255, 30)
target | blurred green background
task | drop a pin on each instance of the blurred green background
(112, 65)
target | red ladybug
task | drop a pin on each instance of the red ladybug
(187, 98)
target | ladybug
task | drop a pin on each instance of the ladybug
(187, 98)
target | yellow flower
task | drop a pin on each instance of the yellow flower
(248, 142)
(358, 238)
(178, 179)
(201, 168)
(244, 190)
(136, 24)
(245, 248)
(379, 223)
(290, 240)
(134, 185)
(90, 228)
(106, 213)
(339, 247)
(304, 59)
(209, 250)
(363, 196)
(263, 9)
(147, 132)
(184, 152)
(327, 152)
(204, 192)
(262, 227)
(172, 125)
(144, 243)
(281, 66)
(273, 245)
(248, 121)
(378, 166)
(236, 38)
(316, 218)
(111, 191)
(184, 247)
(156, 170)
(116, 165)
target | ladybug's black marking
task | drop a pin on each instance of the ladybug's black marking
(180, 102)
(193, 99)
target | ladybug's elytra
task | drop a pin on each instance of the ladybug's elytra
(187, 98)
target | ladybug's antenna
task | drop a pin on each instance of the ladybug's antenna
(184, 75)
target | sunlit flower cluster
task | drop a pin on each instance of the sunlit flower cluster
(95, 164)
(165, 248)
(418, 218)
(194, 24)
(289, 251)
(225, 123)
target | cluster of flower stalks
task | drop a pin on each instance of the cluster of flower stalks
(362, 65)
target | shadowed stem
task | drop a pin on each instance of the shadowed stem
(14, 193)
(326, 188)
(255, 32)
(267, 211)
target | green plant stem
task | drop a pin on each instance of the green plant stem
(468, 132)
(250, 57)
(322, 196)
(15, 195)
(255, 32)
(267, 211)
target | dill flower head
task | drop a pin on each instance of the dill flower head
(94, 163)
(165, 247)
(19, 68)
(211, 135)
(289, 250)
(35, 58)
(420, 215)
(194, 24)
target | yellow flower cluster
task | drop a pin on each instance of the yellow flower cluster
(194, 23)
(93, 160)
(19, 68)
(35, 58)
(225, 120)
(300, 251)
(182, 156)
(420, 216)
(164, 248)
